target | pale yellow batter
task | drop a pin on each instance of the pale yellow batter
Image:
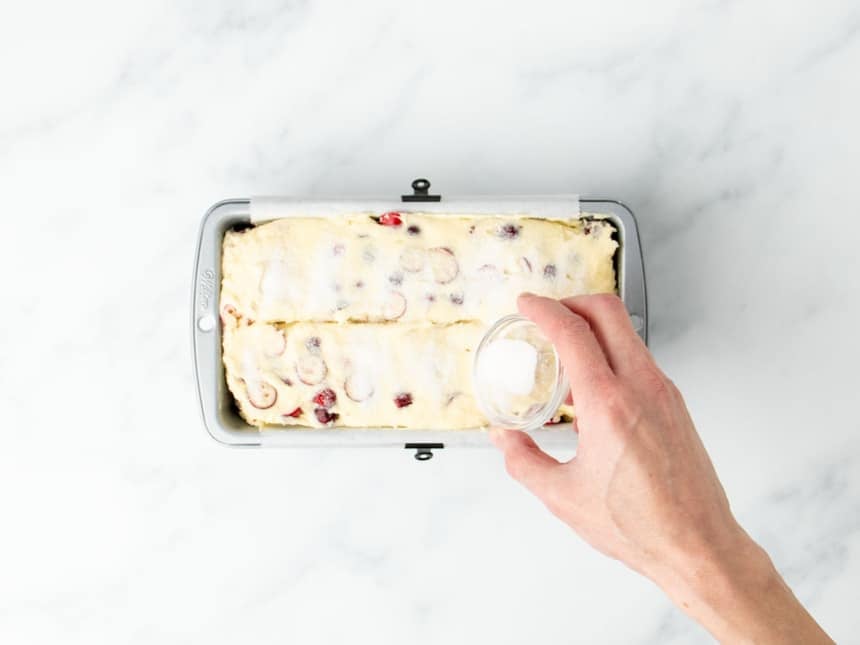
(364, 321)
(448, 269)
(410, 376)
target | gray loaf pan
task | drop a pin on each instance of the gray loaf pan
(220, 415)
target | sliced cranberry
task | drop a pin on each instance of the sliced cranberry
(358, 388)
(324, 416)
(443, 264)
(457, 298)
(403, 399)
(262, 395)
(390, 219)
(412, 229)
(549, 271)
(311, 369)
(490, 272)
(509, 231)
(395, 306)
(295, 413)
(229, 311)
(325, 398)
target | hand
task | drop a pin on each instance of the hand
(642, 488)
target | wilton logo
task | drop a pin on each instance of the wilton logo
(206, 289)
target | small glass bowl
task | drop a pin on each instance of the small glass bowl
(519, 411)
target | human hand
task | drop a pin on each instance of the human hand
(642, 488)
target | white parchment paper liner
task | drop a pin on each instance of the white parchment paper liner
(556, 207)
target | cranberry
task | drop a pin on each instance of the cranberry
(549, 271)
(395, 306)
(262, 395)
(412, 229)
(509, 231)
(390, 219)
(311, 369)
(403, 399)
(324, 416)
(325, 398)
(456, 298)
(295, 413)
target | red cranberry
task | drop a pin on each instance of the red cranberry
(509, 231)
(325, 398)
(390, 219)
(324, 416)
(403, 399)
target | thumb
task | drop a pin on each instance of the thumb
(526, 462)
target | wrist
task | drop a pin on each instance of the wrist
(722, 585)
(734, 591)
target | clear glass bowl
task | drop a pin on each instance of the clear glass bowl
(519, 382)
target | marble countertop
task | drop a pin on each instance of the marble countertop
(730, 128)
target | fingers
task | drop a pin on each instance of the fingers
(578, 348)
(526, 462)
(611, 324)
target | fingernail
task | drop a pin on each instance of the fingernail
(527, 294)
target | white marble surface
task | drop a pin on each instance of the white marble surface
(731, 128)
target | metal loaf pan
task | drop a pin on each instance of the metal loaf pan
(216, 402)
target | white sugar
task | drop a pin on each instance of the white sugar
(507, 367)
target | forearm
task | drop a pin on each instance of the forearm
(739, 597)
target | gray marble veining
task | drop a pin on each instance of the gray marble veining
(731, 129)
